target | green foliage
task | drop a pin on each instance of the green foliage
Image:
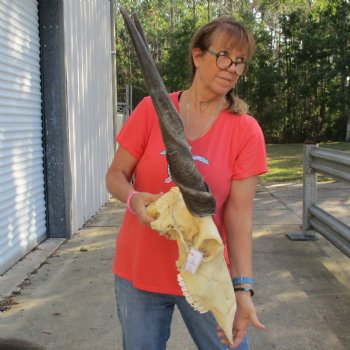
(176, 71)
(306, 71)
(285, 163)
(297, 83)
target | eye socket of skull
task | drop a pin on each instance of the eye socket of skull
(210, 248)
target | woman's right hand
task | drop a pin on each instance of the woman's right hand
(139, 203)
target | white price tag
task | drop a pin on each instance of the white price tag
(193, 260)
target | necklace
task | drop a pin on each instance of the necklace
(210, 122)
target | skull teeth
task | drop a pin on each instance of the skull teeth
(189, 297)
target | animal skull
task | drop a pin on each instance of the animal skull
(210, 287)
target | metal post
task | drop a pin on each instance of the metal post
(309, 196)
(309, 186)
(127, 101)
(347, 109)
(130, 105)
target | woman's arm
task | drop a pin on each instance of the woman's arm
(238, 219)
(118, 184)
(119, 174)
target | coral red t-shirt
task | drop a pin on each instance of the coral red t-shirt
(233, 148)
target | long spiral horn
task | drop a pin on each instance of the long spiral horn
(195, 191)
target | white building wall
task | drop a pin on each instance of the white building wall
(89, 103)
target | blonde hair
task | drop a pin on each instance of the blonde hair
(238, 37)
(236, 105)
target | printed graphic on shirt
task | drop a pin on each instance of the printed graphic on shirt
(194, 157)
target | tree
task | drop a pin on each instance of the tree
(297, 85)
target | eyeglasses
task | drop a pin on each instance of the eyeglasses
(224, 62)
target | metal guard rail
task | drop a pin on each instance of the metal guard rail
(334, 164)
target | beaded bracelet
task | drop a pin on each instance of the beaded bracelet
(242, 280)
(243, 289)
(128, 202)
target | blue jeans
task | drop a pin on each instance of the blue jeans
(145, 319)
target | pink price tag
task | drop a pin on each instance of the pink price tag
(193, 260)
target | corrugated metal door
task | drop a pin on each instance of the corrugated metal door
(22, 201)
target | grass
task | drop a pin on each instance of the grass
(285, 161)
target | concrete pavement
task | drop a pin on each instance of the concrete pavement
(66, 294)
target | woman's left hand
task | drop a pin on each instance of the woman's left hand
(245, 313)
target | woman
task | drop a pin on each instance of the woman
(228, 148)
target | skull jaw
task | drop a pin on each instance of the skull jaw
(210, 288)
